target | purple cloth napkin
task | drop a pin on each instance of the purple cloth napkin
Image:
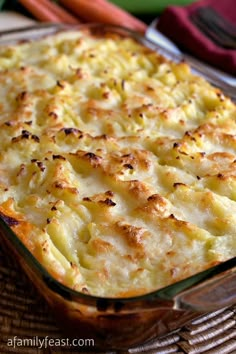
(176, 24)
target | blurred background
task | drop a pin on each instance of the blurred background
(180, 25)
(146, 10)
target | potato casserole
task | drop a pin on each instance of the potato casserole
(117, 166)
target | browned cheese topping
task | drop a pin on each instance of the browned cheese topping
(117, 166)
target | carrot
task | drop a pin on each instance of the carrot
(45, 10)
(64, 15)
(104, 12)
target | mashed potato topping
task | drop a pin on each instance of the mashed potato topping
(117, 166)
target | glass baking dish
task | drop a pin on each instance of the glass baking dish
(119, 323)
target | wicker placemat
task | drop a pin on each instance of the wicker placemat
(24, 314)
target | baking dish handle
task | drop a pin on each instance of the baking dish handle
(210, 295)
(206, 291)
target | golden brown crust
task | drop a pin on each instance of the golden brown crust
(117, 166)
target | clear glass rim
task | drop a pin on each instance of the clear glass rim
(164, 297)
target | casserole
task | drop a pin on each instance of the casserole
(55, 146)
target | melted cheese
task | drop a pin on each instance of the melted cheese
(117, 167)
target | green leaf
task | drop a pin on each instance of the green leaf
(2, 3)
(153, 7)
